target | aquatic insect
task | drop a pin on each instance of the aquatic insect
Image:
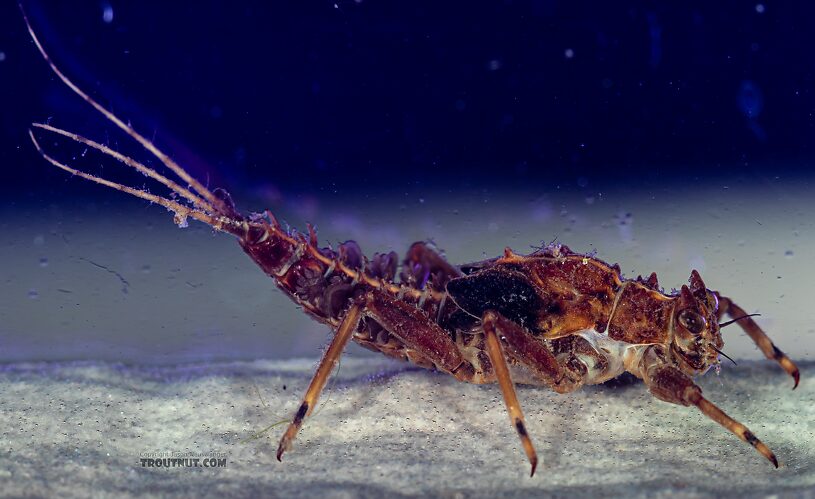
(553, 318)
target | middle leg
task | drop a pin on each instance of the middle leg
(490, 325)
(417, 331)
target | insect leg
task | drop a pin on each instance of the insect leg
(760, 338)
(668, 383)
(349, 324)
(523, 347)
(418, 331)
(564, 375)
(499, 365)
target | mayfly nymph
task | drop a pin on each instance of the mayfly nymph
(553, 318)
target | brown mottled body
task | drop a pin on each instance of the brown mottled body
(552, 318)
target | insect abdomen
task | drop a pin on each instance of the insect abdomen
(319, 287)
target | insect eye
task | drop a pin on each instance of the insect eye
(692, 321)
(713, 301)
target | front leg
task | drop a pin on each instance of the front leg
(668, 383)
(759, 337)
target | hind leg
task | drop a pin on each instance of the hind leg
(411, 325)
(347, 327)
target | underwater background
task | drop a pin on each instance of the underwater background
(662, 136)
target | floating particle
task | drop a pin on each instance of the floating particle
(568, 53)
(2, 56)
(624, 219)
(107, 13)
(180, 219)
(788, 253)
(760, 8)
(33, 294)
(43, 262)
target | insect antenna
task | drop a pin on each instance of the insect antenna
(724, 354)
(212, 199)
(723, 324)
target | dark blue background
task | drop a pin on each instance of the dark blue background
(309, 96)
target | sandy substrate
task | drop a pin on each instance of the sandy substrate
(388, 429)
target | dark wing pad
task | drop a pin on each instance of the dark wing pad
(505, 291)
